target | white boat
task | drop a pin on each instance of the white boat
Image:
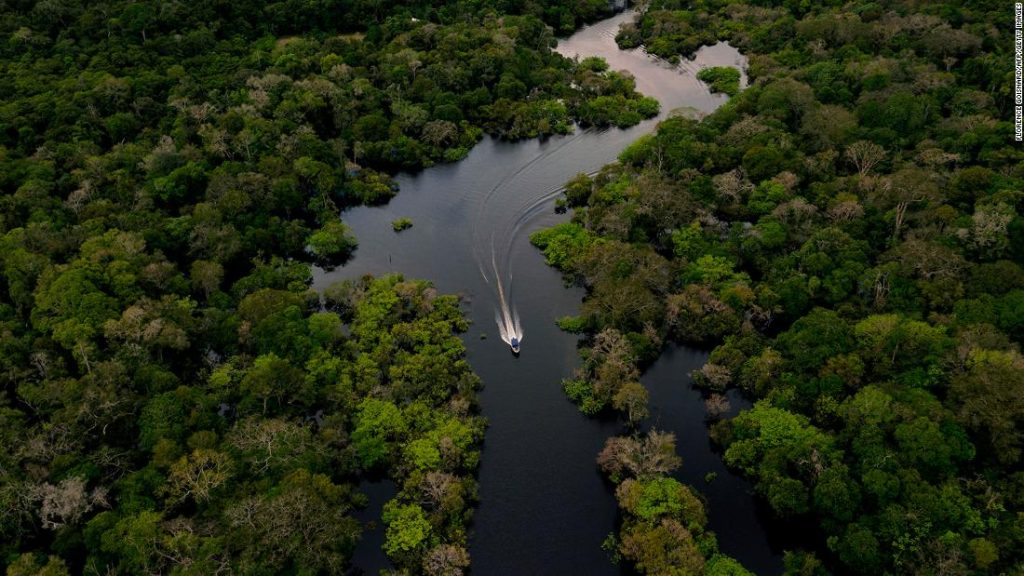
(515, 345)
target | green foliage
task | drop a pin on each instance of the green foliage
(712, 270)
(843, 238)
(766, 197)
(578, 190)
(377, 424)
(582, 393)
(765, 429)
(689, 243)
(573, 324)
(29, 565)
(617, 111)
(719, 565)
(166, 175)
(665, 496)
(563, 243)
(664, 523)
(230, 443)
(332, 242)
(408, 529)
(401, 224)
(722, 79)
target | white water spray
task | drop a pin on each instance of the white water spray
(505, 316)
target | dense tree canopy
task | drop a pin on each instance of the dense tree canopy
(848, 233)
(248, 461)
(174, 398)
(664, 524)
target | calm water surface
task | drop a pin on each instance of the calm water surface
(544, 507)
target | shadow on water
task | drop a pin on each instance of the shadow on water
(544, 507)
(733, 513)
(368, 557)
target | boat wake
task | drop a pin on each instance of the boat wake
(505, 315)
(513, 220)
(506, 231)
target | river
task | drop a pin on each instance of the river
(544, 508)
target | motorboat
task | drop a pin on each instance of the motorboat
(515, 345)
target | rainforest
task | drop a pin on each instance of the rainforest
(769, 254)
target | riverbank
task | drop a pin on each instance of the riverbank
(544, 507)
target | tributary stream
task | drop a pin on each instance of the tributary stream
(544, 508)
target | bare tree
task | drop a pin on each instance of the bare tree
(67, 502)
(713, 376)
(927, 260)
(631, 399)
(199, 474)
(645, 457)
(733, 186)
(446, 560)
(905, 188)
(989, 225)
(845, 211)
(865, 155)
(436, 486)
(270, 442)
(716, 406)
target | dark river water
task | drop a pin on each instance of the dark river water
(544, 508)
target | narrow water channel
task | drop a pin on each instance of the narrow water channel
(544, 507)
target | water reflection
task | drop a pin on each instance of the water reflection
(544, 508)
